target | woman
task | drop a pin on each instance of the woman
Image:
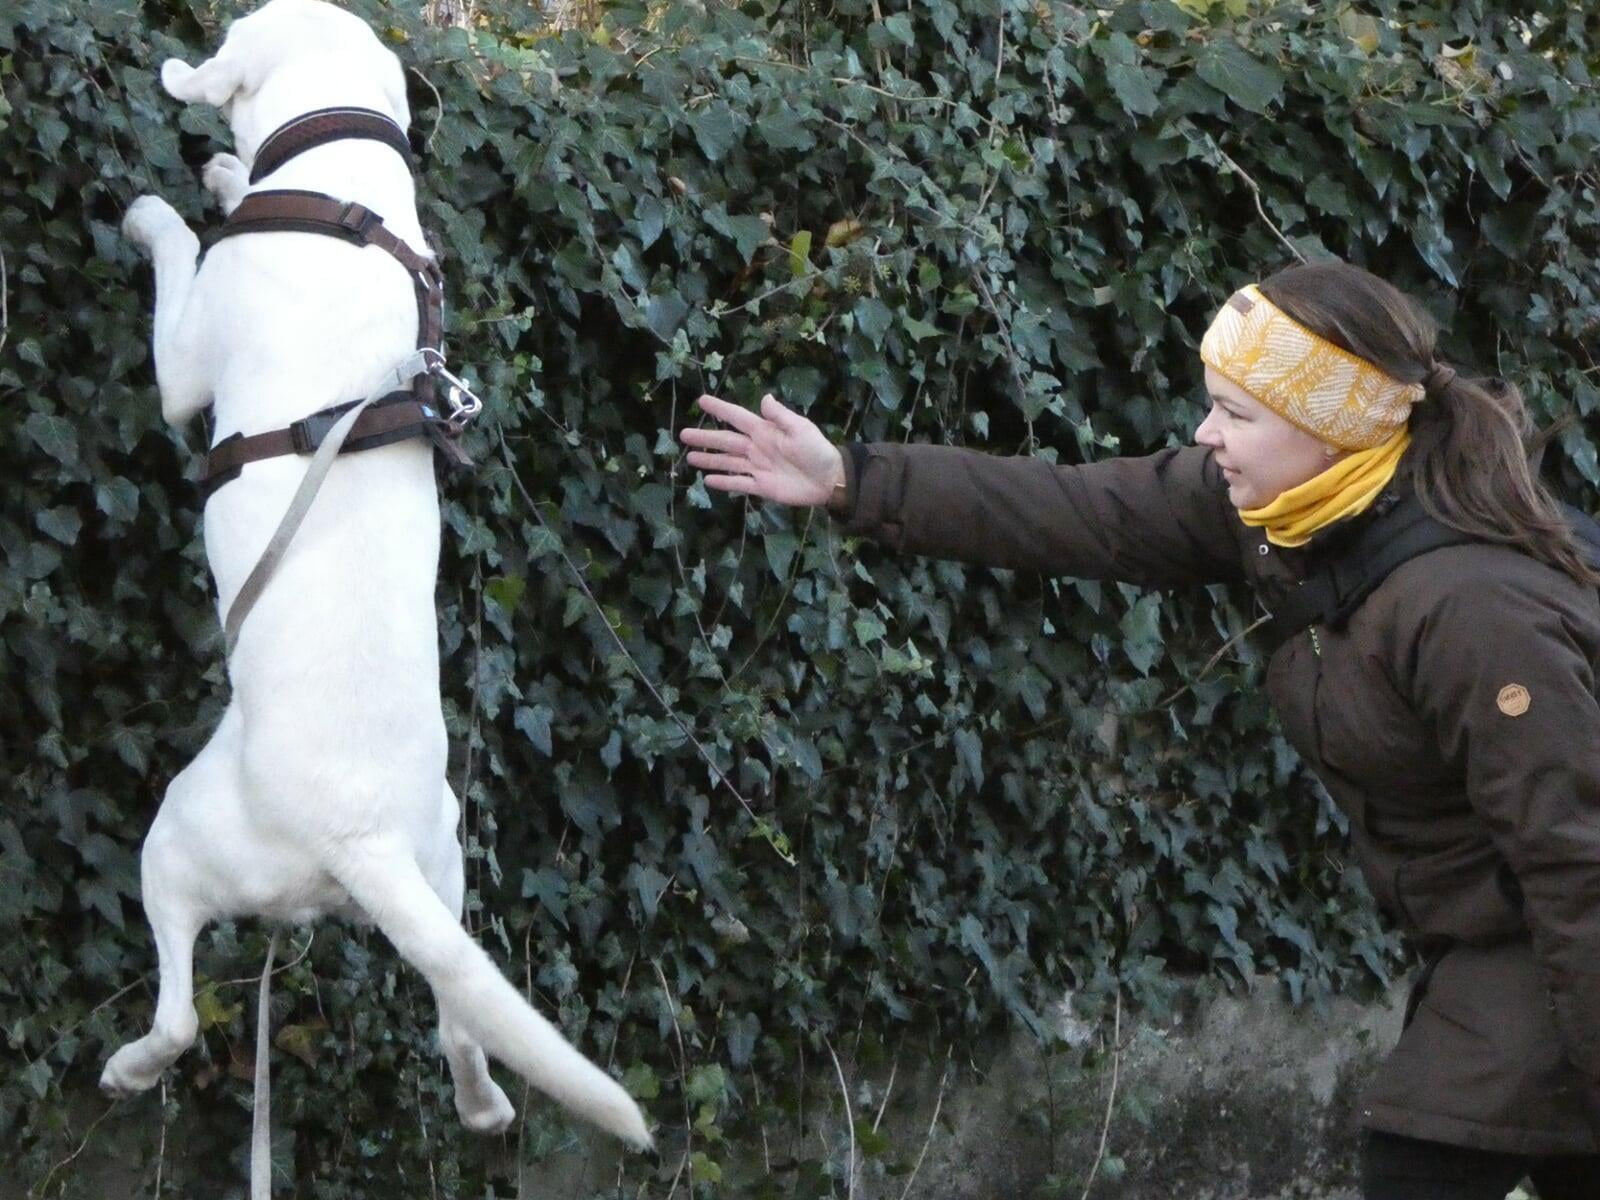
(1453, 715)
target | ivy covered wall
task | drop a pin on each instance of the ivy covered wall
(960, 793)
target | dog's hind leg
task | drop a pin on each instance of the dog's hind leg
(383, 878)
(174, 250)
(176, 921)
(480, 1102)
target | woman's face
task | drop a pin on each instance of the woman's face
(1261, 454)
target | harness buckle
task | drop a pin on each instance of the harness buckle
(462, 402)
(308, 433)
(358, 220)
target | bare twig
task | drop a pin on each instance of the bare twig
(1111, 1100)
(311, 936)
(627, 977)
(888, 1091)
(5, 316)
(89, 1133)
(1215, 658)
(766, 1149)
(161, 1152)
(994, 123)
(845, 81)
(762, 825)
(422, 1123)
(849, 1120)
(1255, 193)
(76, 1025)
(438, 112)
(932, 1121)
(683, 1081)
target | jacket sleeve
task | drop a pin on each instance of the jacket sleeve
(1504, 669)
(1161, 521)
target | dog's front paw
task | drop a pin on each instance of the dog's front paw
(149, 219)
(488, 1113)
(226, 178)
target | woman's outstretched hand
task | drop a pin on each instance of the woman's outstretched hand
(775, 454)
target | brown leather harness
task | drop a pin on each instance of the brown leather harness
(410, 412)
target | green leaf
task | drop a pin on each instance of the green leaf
(800, 253)
(969, 747)
(61, 523)
(781, 546)
(1247, 81)
(715, 130)
(534, 724)
(52, 435)
(873, 318)
(506, 591)
(1134, 87)
(641, 1082)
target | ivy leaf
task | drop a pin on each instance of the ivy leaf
(800, 253)
(780, 546)
(969, 747)
(1245, 80)
(53, 435)
(547, 886)
(715, 130)
(61, 523)
(534, 724)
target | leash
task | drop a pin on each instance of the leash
(261, 1104)
(415, 363)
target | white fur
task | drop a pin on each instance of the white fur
(323, 789)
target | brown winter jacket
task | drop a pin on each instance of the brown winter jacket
(1454, 720)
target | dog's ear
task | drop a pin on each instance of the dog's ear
(213, 82)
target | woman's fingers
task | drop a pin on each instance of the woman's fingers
(775, 412)
(714, 439)
(707, 461)
(742, 419)
(730, 483)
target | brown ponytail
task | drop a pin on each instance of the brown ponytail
(1468, 457)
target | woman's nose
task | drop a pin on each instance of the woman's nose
(1206, 434)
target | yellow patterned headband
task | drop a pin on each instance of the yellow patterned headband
(1304, 378)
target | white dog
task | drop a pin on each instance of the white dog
(323, 789)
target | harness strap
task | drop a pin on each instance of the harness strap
(326, 125)
(390, 418)
(291, 210)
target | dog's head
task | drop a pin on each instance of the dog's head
(290, 57)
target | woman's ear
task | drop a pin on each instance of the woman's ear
(213, 82)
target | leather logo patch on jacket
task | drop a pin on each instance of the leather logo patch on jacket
(1513, 700)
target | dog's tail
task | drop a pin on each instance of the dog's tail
(391, 889)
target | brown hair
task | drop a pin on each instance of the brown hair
(1468, 457)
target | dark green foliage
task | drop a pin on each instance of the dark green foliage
(1000, 227)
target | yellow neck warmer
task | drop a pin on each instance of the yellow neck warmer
(1343, 490)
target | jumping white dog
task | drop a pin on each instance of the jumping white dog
(323, 789)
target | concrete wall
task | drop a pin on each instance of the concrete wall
(1240, 1097)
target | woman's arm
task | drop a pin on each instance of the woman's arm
(1163, 520)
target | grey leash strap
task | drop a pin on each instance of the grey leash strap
(261, 1105)
(321, 462)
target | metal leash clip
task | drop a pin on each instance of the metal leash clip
(461, 400)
